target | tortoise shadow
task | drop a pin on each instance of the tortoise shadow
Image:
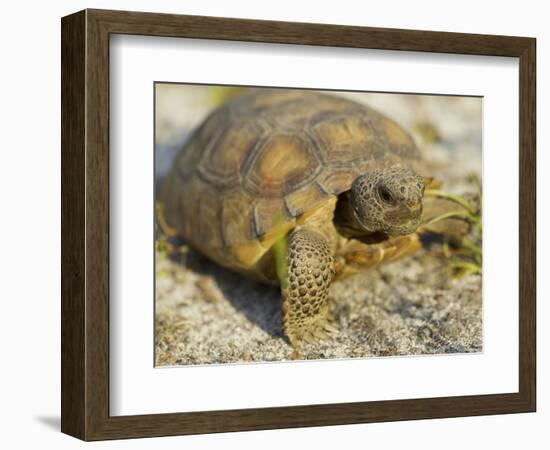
(260, 303)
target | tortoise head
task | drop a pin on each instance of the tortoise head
(388, 200)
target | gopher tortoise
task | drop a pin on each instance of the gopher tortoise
(297, 188)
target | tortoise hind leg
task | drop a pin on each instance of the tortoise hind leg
(305, 283)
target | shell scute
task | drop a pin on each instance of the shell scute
(270, 217)
(347, 138)
(298, 201)
(238, 217)
(285, 162)
(229, 151)
(337, 179)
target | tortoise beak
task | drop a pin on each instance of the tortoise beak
(404, 213)
(407, 217)
(408, 228)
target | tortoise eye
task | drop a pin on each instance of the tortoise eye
(385, 194)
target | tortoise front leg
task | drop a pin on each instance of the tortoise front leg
(357, 257)
(305, 283)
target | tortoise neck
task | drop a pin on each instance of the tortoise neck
(344, 219)
(349, 227)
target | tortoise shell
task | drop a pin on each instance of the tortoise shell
(259, 163)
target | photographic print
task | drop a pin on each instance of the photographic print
(297, 224)
(315, 224)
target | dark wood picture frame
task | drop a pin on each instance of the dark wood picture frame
(85, 224)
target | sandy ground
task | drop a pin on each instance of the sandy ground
(206, 314)
(210, 315)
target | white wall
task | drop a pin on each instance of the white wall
(30, 230)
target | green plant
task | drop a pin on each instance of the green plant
(468, 257)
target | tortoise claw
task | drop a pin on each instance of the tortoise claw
(331, 331)
(313, 334)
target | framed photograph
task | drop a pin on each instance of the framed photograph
(271, 224)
